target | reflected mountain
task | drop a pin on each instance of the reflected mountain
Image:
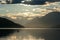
(5, 23)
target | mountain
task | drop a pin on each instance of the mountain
(50, 20)
(49, 26)
(5, 23)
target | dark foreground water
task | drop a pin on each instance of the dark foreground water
(35, 34)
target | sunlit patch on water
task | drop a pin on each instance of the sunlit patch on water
(29, 37)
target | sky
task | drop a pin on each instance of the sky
(27, 12)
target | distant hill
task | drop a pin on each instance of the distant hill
(50, 20)
(5, 23)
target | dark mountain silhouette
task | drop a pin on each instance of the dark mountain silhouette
(54, 19)
(51, 19)
(5, 23)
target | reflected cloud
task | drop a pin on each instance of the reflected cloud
(29, 37)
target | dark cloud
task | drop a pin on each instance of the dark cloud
(53, 0)
(39, 2)
(32, 2)
(35, 2)
(16, 1)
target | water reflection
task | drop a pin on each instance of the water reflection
(35, 34)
